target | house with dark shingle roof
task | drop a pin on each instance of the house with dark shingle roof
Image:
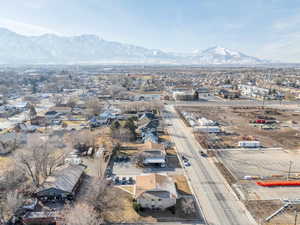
(62, 184)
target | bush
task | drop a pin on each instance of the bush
(137, 207)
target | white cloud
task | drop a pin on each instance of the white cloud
(285, 38)
(284, 48)
(24, 28)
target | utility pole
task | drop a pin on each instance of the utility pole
(289, 173)
(296, 217)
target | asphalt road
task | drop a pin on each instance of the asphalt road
(217, 202)
(224, 102)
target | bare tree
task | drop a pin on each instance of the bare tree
(94, 106)
(142, 106)
(101, 196)
(10, 143)
(72, 102)
(39, 159)
(85, 137)
(82, 214)
(115, 91)
(9, 199)
(13, 202)
(57, 100)
(123, 134)
(32, 112)
(188, 206)
(11, 180)
(139, 158)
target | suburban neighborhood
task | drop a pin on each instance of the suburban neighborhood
(133, 145)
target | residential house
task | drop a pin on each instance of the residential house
(61, 109)
(150, 135)
(229, 93)
(24, 127)
(155, 191)
(154, 154)
(39, 121)
(253, 91)
(203, 92)
(62, 185)
(151, 125)
(22, 106)
(8, 111)
(43, 218)
(52, 114)
(145, 118)
(147, 127)
(186, 95)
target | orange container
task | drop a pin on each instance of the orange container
(278, 183)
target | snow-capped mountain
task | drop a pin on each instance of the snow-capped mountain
(50, 48)
(219, 55)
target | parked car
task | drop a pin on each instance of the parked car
(130, 180)
(203, 154)
(126, 159)
(120, 159)
(187, 164)
(185, 159)
(117, 181)
(123, 181)
(108, 173)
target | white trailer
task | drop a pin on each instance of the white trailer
(73, 161)
(249, 144)
(205, 122)
(207, 129)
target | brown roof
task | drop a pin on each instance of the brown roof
(149, 145)
(153, 182)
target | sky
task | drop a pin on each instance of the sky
(268, 29)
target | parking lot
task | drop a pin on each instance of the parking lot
(129, 167)
(125, 168)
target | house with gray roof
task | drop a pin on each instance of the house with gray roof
(155, 191)
(62, 184)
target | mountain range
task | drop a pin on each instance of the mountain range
(91, 49)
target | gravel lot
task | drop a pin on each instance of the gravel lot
(260, 163)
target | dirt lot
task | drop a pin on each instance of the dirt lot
(235, 121)
(269, 164)
(259, 163)
(262, 209)
(252, 191)
(182, 184)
